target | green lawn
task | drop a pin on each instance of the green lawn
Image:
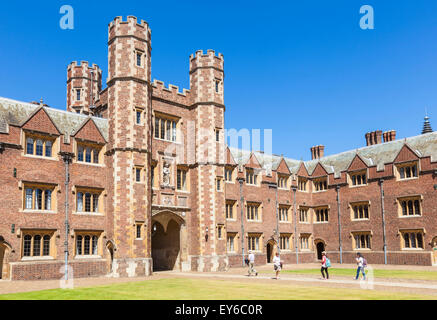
(198, 289)
(377, 273)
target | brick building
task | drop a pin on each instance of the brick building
(136, 177)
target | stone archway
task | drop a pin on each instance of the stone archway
(271, 249)
(110, 246)
(320, 247)
(5, 250)
(168, 241)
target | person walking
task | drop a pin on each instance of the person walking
(360, 268)
(325, 265)
(277, 264)
(251, 259)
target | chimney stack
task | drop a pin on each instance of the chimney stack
(317, 152)
(389, 136)
(374, 137)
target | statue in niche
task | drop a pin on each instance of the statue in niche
(166, 173)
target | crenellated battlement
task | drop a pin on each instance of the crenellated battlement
(210, 53)
(129, 20)
(171, 93)
(210, 59)
(83, 67)
(129, 27)
(171, 88)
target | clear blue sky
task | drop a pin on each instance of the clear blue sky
(302, 68)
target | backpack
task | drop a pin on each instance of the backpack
(328, 263)
(364, 262)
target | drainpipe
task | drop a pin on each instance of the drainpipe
(242, 218)
(339, 225)
(381, 185)
(295, 223)
(277, 221)
(67, 157)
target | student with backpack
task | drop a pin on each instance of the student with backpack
(326, 263)
(361, 263)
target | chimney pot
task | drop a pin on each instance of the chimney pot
(317, 152)
(374, 137)
(389, 136)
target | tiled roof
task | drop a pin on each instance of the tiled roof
(16, 113)
(376, 155)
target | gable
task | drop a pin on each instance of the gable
(302, 172)
(253, 162)
(357, 164)
(319, 171)
(229, 158)
(283, 168)
(406, 154)
(41, 122)
(90, 132)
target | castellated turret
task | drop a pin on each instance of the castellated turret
(129, 50)
(206, 87)
(84, 83)
(206, 77)
(129, 140)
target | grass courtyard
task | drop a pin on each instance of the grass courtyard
(202, 289)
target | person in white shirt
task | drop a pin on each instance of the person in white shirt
(277, 264)
(252, 264)
(360, 264)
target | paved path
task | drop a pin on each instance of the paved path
(357, 283)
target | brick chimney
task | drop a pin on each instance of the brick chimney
(374, 137)
(317, 152)
(389, 136)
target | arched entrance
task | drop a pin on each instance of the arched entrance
(111, 247)
(271, 250)
(5, 249)
(166, 241)
(320, 246)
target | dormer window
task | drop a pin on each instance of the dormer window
(358, 178)
(228, 174)
(407, 171)
(251, 177)
(39, 145)
(88, 153)
(302, 184)
(282, 182)
(320, 184)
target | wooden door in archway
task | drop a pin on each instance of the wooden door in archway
(320, 248)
